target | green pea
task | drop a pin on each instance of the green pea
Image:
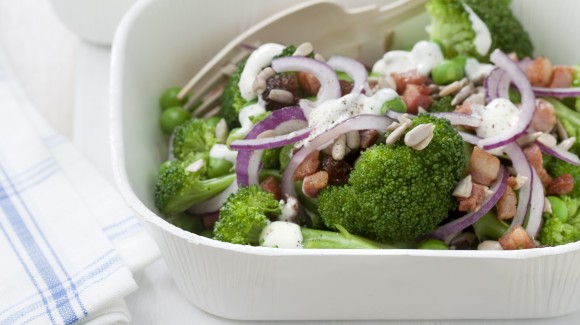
(448, 71)
(559, 208)
(218, 167)
(433, 244)
(169, 98)
(395, 104)
(172, 117)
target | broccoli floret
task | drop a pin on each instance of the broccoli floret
(396, 193)
(562, 226)
(451, 27)
(247, 212)
(231, 100)
(244, 215)
(195, 135)
(442, 104)
(178, 189)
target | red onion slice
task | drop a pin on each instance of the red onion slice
(459, 119)
(356, 123)
(457, 225)
(523, 168)
(560, 153)
(556, 92)
(536, 205)
(394, 115)
(528, 102)
(469, 138)
(354, 69)
(282, 121)
(329, 85)
(490, 83)
(271, 142)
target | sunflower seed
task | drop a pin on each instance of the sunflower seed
(303, 49)
(418, 134)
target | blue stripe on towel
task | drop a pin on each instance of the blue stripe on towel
(40, 261)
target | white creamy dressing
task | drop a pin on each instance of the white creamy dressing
(281, 234)
(221, 151)
(259, 59)
(482, 41)
(476, 71)
(497, 116)
(423, 57)
(334, 111)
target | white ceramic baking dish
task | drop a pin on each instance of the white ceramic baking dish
(162, 43)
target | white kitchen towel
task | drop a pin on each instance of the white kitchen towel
(68, 243)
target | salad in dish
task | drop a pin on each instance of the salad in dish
(465, 141)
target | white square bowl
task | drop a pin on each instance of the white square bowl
(162, 43)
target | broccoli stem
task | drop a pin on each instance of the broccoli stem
(489, 227)
(315, 238)
(564, 112)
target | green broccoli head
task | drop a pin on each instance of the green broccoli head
(451, 27)
(231, 100)
(193, 136)
(442, 104)
(396, 193)
(178, 189)
(244, 215)
(562, 226)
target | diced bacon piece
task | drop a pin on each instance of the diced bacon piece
(309, 83)
(308, 166)
(464, 108)
(474, 201)
(507, 204)
(368, 138)
(483, 166)
(517, 238)
(563, 184)
(544, 118)
(540, 72)
(534, 156)
(271, 185)
(412, 77)
(415, 96)
(561, 77)
(314, 183)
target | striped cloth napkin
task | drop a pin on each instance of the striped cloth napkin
(68, 242)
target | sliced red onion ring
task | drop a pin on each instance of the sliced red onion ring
(354, 69)
(271, 142)
(356, 123)
(490, 83)
(560, 153)
(457, 225)
(394, 115)
(282, 121)
(536, 205)
(469, 138)
(556, 92)
(527, 108)
(329, 85)
(459, 119)
(215, 203)
(523, 168)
